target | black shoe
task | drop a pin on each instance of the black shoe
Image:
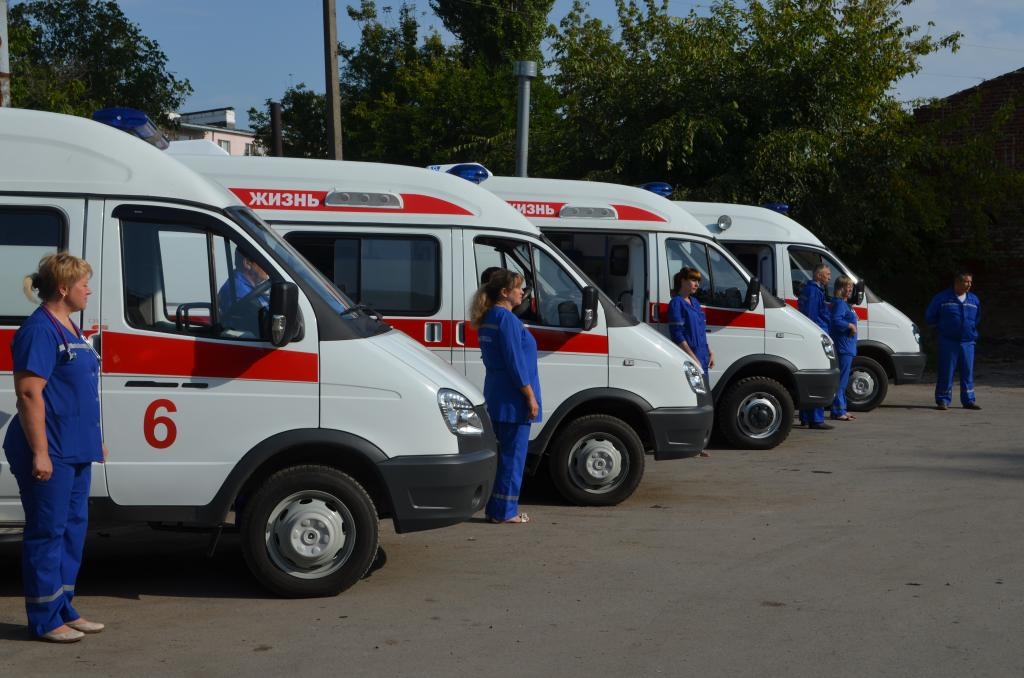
(972, 406)
(822, 426)
(941, 406)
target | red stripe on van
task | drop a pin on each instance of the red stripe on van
(627, 212)
(861, 311)
(549, 339)
(722, 317)
(313, 201)
(6, 359)
(137, 354)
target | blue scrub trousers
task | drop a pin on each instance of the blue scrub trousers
(813, 416)
(955, 356)
(513, 440)
(839, 403)
(56, 521)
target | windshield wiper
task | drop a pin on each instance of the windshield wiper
(364, 308)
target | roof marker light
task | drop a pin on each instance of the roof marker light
(662, 188)
(363, 199)
(470, 171)
(780, 207)
(134, 122)
(724, 222)
(582, 212)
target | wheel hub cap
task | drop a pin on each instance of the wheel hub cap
(862, 384)
(598, 461)
(309, 533)
(758, 416)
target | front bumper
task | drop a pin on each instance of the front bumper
(681, 432)
(815, 388)
(908, 367)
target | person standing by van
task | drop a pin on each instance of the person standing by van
(511, 386)
(954, 313)
(52, 443)
(686, 322)
(811, 303)
(842, 326)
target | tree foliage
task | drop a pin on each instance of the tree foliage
(74, 56)
(303, 124)
(500, 31)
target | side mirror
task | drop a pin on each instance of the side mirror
(282, 318)
(590, 302)
(858, 293)
(753, 294)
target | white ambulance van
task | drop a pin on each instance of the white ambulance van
(412, 244)
(297, 418)
(768, 358)
(783, 254)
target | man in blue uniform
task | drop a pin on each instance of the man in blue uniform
(812, 304)
(954, 314)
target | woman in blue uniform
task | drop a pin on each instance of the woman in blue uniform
(686, 323)
(511, 386)
(842, 326)
(52, 444)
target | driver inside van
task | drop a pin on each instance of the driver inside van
(247, 276)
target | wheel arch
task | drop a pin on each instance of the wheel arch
(758, 365)
(880, 353)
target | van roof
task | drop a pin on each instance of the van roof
(550, 203)
(70, 155)
(749, 223)
(356, 191)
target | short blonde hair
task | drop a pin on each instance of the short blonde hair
(56, 271)
(841, 282)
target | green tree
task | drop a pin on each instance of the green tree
(303, 124)
(500, 31)
(75, 56)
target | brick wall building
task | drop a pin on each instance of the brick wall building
(998, 278)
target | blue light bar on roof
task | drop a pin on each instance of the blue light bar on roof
(780, 207)
(662, 188)
(470, 171)
(134, 122)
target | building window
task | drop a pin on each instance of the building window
(225, 144)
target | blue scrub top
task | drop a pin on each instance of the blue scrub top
(235, 289)
(686, 322)
(839, 317)
(509, 353)
(812, 304)
(71, 396)
(954, 319)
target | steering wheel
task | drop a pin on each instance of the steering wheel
(244, 313)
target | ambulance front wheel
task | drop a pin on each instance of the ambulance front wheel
(596, 460)
(755, 413)
(309, 531)
(868, 385)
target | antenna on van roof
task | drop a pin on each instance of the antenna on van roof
(662, 188)
(470, 171)
(780, 207)
(134, 122)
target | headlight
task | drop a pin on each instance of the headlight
(695, 377)
(458, 413)
(917, 333)
(828, 347)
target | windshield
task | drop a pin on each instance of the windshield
(358, 323)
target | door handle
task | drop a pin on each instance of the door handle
(460, 333)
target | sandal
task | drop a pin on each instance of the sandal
(845, 417)
(703, 453)
(521, 518)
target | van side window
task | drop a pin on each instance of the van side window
(395, 275)
(801, 267)
(556, 299)
(186, 280)
(758, 259)
(615, 262)
(26, 236)
(722, 284)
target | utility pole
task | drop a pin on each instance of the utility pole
(5, 60)
(333, 94)
(525, 71)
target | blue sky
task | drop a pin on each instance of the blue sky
(241, 52)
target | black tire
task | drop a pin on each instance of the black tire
(309, 531)
(755, 413)
(596, 460)
(868, 385)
